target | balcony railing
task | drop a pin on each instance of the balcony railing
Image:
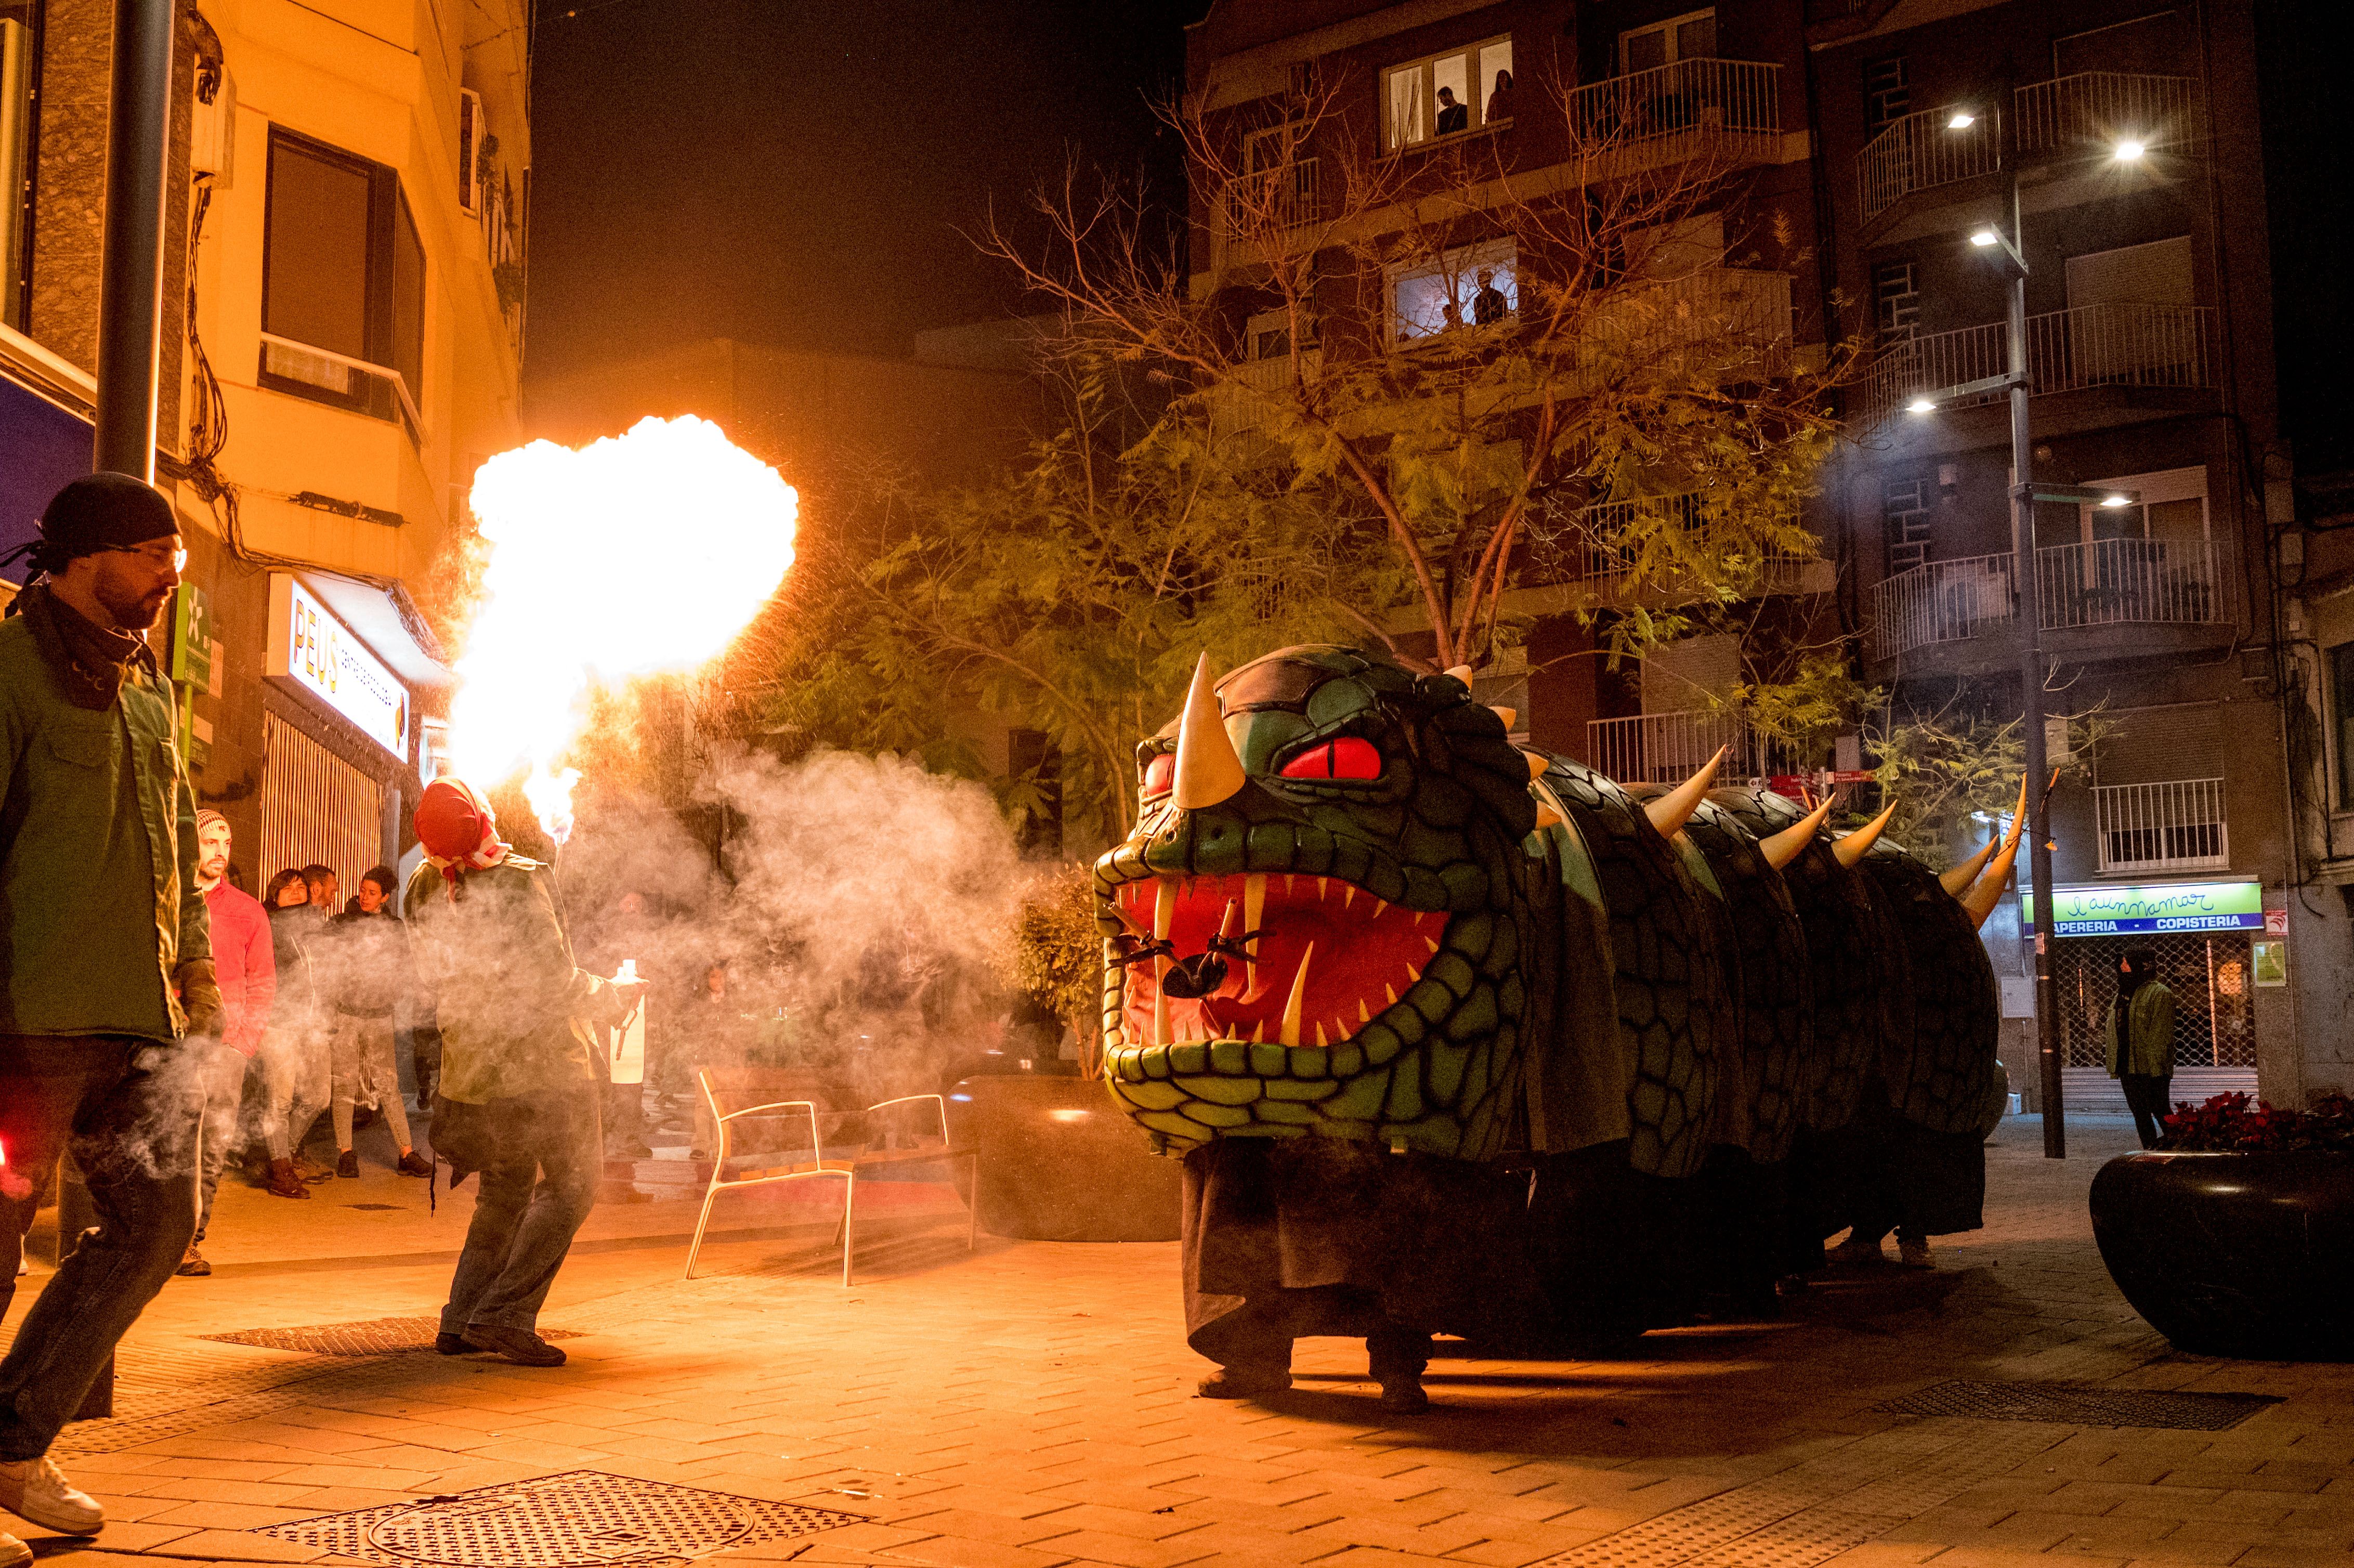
(1284, 197)
(376, 390)
(2174, 826)
(2092, 346)
(1920, 150)
(1714, 305)
(1682, 98)
(2096, 109)
(2092, 109)
(1239, 403)
(1668, 748)
(2107, 582)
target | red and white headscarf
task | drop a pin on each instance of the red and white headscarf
(458, 830)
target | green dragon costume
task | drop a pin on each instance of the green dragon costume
(1444, 1030)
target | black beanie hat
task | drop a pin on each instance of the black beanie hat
(97, 512)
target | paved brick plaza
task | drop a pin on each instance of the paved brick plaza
(1031, 1405)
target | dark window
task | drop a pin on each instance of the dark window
(20, 82)
(1887, 93)
(1895, 300)
(2341, 696)
(343, 290)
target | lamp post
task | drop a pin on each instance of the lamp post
(2011, 250)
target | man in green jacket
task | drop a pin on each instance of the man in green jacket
(105, 961)
(2141, 1041)
(518, 1094)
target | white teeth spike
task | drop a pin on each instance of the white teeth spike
(1291, 1009)
(1288, 881)
(1258, 1033)
(1348, 894)
(1319, 1036)
(1381, 906)
(1433, 943)
(1413, 973)
(1390, 991)
(1320, 888)
(1363, 1016)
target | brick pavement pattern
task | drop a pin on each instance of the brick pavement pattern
(1033, 1405)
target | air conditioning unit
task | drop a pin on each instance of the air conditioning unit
(471, 128)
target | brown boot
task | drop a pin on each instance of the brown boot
(284, 1182)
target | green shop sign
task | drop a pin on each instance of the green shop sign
(2166, 906)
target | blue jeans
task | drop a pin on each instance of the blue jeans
(128, 1110)
(521, 1230)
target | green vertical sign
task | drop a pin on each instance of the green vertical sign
(192, 636)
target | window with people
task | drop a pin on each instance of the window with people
(1453, 94)
(1473, 286)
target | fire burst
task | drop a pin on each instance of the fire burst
(639, 555)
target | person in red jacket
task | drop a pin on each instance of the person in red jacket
(246, 967)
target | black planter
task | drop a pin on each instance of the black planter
(1060, 1162)
(2235, 1254)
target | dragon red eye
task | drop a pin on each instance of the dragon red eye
(1160, 773)
(1347, 758)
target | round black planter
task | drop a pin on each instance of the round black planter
(2235, 1254)
(1060, 1162)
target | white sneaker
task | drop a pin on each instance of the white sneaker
(37, 1490)
(13, 1554)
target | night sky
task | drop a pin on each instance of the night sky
(795, 172)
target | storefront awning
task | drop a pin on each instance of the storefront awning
(389, 624)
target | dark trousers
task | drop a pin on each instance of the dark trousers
(128, 1109)
(522, 1229)
(2147, 1096)
(1258, 1336)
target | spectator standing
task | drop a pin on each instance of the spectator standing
(294, 1051)
(367, 976)
(246, 971)
(2141, 1046)
(108, 961)
(1452, 116)
(518, 1097)
(1500, 101)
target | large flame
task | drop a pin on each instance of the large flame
(639, 555)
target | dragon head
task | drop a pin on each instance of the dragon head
(1316, 926)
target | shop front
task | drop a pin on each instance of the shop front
(2205, 936)
(300, 694)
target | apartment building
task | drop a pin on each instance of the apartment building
(1879, 136)
(343, 339)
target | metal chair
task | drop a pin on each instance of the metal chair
(946, 1152)
(794, 1170)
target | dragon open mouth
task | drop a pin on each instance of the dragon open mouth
(1328, 958)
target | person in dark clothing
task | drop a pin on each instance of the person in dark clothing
(2141, 1041)
(298, 1082)
(1452, 116)
(1488, 306)
(367, 976)
(108, 961)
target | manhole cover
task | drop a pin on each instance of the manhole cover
(375, 1337)
(2082, 1406)
(580, 1519)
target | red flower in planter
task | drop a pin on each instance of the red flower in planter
(2227, 1123)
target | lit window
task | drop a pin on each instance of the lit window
(1476, 286)
(1448, 94)
(343, 288)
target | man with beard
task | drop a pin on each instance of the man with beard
(518, 1095)
(246, 971)
(108, 961)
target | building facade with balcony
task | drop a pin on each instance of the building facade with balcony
(343, 336)
(1546, 96)
(1883, 134)
(2129, 132)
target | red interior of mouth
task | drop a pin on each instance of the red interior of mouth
(1365, 956)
